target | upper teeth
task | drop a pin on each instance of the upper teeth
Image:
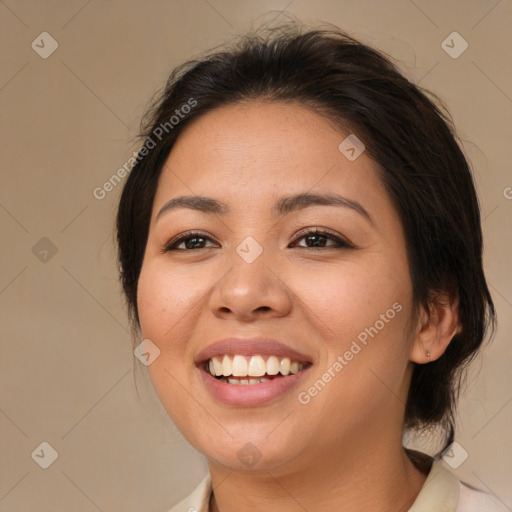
(252, 366)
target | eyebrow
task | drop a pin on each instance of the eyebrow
(283, 205)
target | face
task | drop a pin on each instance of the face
(252, 270)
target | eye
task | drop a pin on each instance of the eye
(191, 239)
(316, 235)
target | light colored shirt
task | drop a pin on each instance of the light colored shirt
(441, 492)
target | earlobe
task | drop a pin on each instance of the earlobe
(436, 329)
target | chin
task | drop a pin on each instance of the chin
(249, 458)
(248, 451)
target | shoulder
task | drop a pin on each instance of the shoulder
(444, 492)
(441, 488)
(198, 500)
(472, 500)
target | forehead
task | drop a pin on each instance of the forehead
(252, 152)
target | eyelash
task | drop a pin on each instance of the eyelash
(342, 243)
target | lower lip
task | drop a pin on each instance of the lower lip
(250, 395)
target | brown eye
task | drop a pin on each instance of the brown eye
(192, 240)
(318, 238)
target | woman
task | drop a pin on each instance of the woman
(300, 245)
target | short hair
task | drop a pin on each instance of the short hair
(411, 138)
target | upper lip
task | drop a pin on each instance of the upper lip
(250, 347)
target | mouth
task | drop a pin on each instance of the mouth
(243, 372)
(252, 370)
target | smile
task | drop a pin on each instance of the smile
(250, 370)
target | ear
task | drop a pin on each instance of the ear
(435, 329)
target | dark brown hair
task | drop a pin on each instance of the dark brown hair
(412, 140)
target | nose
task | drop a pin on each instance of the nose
(250, 291)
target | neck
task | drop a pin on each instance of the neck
(362, 477)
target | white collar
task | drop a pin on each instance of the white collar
(439, 493)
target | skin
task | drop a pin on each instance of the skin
(344, 448)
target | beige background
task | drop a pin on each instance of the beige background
(66, 366)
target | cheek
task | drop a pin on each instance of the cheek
(165, 308)
(164, 303)
(363, 314)
(348, 299)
